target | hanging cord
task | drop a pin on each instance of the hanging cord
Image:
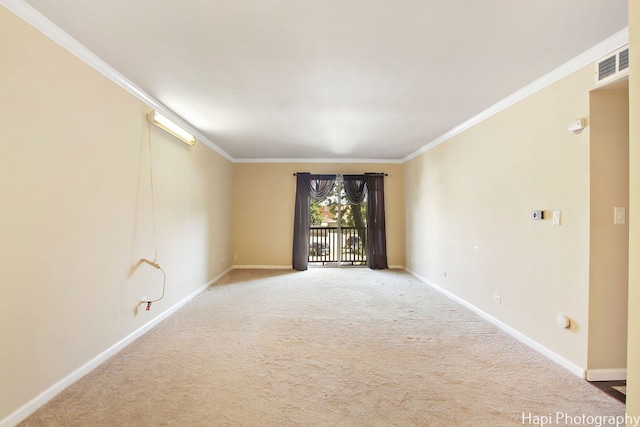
(153, 263)
(153, 197)
(164, 282)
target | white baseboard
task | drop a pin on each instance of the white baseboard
(262, 267)
(575, 369)
(606, 374)
(290, 267)
(34, 404)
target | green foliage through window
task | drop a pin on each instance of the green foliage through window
(316, 213)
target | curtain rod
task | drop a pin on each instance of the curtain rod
(340, 174)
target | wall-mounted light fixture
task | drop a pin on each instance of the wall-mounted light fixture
(167, 125)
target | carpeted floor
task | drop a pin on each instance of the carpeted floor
(325, 347)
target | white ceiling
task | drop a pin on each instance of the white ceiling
(333, 79)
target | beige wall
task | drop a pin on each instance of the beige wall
(263, 205)
(633, 357)
(76, 215)
(468, 223)
(609, 242)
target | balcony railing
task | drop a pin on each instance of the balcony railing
(327, 245)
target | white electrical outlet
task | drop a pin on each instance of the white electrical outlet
(498, 299)
(235, 257)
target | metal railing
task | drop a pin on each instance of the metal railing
(327, 245)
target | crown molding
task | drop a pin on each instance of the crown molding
(34, 18)
(608, 45)
(48, 28)
(316, 160)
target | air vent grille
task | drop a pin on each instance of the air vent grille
(623, 60)
(613, 66)
(607, 68)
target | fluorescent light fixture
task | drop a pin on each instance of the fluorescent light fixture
(175, 130)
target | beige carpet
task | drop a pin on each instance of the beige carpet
(326, 347)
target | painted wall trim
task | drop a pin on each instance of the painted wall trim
(575, 369)
(290, 267)
(48, 28)
(612, 43)
(607, 374)
(34, 18)
(262, 267)
(392, 161)
(36, 403)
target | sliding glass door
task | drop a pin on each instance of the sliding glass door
(338, 230)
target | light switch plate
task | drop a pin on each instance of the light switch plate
(619, 215)
(556, 217)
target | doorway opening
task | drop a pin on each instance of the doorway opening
(608, 234)
(338, 229)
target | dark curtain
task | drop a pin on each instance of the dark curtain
(308, 187)
(376, 228)
(356, 188)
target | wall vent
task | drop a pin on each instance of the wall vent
(613, 66)
(623, 60)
